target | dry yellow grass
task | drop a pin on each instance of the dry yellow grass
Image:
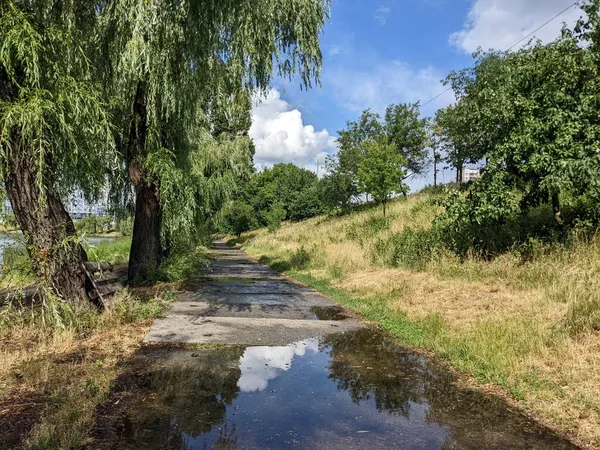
(511, 320)
(64, 374)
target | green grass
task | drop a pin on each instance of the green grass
(115, 251)
(525, 321)
(483, 357)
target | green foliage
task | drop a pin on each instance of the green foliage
(361, 232)
(184, 264)
(190, 92)
(532, 114)
(49, 96)
(113, 250)
(380, 171)
(295, 189)
(410, 248)
(9, 221)
(94, 225)
(124, 225)
(239, 217)
(275, 216)
(401, 127)
(300, 259)
(336, 189)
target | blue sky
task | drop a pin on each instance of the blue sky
(389, 51)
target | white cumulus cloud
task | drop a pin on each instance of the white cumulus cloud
(498, 24)
(280, 135)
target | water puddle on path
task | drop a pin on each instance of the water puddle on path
(354, 390)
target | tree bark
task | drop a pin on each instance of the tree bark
(556, 209)
(49, 231)
(145, 255)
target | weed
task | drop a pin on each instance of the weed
(300, 259)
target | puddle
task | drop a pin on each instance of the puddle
(329, 313)
(348, 391)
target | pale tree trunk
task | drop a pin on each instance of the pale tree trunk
(145, 255)
(556, 209)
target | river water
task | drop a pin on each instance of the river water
(14, 242)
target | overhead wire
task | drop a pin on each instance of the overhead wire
(508, 49)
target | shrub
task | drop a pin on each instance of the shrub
(239, 217)
(300, 259)
(410, 248)
(94, 225)
(124, 225)
(275, 216)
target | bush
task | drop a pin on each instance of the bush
(275, 216)
(124, 225)
(183, 264)
(115, 251)
(410, 248)
(239, 217)
(300, 259)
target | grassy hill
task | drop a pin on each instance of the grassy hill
(525, 325)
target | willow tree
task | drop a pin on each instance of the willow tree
(54, 131)
(161, 57)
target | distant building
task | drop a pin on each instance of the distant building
(78, 207)
(470, 175)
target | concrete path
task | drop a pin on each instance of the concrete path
(242, 302)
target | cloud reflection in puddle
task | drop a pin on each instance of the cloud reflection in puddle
(261, 364)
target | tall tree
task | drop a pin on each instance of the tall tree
(54, 130)
(163, 57)
(400, 127)
(536, 123)
(381, 171)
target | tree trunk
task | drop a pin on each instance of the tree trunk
(49, 231)
(459, 175)
(145, 255)
(384, 204)
(434, 169)
(556, 209)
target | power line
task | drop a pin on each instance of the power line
(508, 49)
(542, 26)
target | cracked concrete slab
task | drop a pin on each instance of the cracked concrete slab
(242, 302)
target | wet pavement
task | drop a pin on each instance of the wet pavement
(349, 386)
(239, 301)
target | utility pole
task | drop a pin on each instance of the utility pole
(435, 169)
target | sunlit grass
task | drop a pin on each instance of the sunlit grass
(526, 327)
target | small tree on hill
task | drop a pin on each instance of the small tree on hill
(380, 172)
